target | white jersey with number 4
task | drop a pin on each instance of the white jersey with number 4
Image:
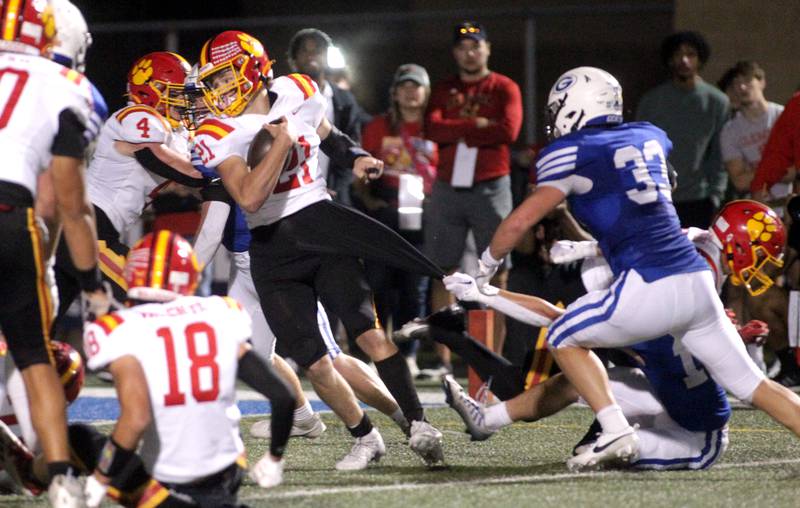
(33, 93)
(188, 349)
(297, 98)
(117, 183)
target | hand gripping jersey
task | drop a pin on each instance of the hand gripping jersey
(117, 183)
(617, 185)
(298, 99)
(188, 349)
(33, 93)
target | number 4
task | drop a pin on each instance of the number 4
(144, 126)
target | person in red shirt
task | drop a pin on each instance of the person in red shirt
(474, 117)
(396, 198)
(781, 152)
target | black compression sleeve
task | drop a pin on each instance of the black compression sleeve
(341, 148)
(69, 140)
(215, 191)
(151, 163)
(261, 377)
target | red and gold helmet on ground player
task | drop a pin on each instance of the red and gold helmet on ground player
(233, 68)
(752, 238)
(161, 267)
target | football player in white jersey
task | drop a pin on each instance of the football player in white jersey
(303, 246)
(140, 148)
(175, 359)
(18, 441)
(45, 123)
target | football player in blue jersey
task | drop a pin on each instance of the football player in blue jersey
(615, 178)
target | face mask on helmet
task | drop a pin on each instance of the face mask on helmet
(752, 238)
(157, 80)
(233, 67)
(28, 27)
(582, 97)
(161, 267)
(197, 108)
(72, 38)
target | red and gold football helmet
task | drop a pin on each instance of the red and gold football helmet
(27, 27)
(752, 237)
(156, 80)
(161, 267)
(70, 368)
(233, 67)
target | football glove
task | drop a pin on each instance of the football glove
(487, 267)
(754, 332)
(567, 251)
(97, 303)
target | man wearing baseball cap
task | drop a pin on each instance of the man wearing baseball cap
(474, 116)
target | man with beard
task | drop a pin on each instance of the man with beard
(474, 117)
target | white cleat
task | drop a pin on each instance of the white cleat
(311, 428)
(66, 492)
(267, 472)
(426, 441)
(609, 449)
(369, 448)
(470, 410)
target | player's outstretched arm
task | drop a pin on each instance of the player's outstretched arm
(213, 217)
(251, 187)
(347, 153)
(527, 309)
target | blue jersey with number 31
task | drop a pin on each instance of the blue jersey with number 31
(617, 185)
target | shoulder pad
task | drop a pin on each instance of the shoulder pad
(142, 124)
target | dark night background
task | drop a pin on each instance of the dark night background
(379, 35)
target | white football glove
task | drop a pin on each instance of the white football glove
(463, 287)
(567, 251)
(487, 267)
(94, 491)
(267, 473)
(98, 303)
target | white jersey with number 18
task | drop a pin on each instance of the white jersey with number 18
(188, 349)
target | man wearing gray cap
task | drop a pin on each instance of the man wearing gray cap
(396, 199)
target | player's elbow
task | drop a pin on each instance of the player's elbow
(250, 205)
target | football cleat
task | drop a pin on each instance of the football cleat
(610, 449)
(369, 448)
(66, 492)
(588, 440)
(17, 461)
(426, 441)
(311, 428)
(467, 408)
(267, 473)
(450, 318)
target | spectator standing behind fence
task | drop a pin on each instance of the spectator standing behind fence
(396, 198)
(781, 154)
(744, 136)
(308, 54)
(692, 112)
(474, 117)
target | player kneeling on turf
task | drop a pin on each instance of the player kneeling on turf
(175, 359)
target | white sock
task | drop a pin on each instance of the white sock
(612, 420)
(303, 412)
(496, 417)
(399, 419)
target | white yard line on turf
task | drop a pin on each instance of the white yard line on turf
(477, 481)
(433, 397)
